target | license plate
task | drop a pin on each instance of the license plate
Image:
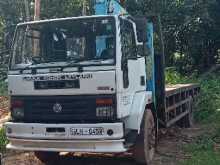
(86, 131)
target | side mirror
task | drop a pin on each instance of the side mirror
(134, 53)
(141, 25)
(143, 50)
(140, 51)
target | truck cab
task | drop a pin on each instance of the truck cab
(92, 84)
(77, 85)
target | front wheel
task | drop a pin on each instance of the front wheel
(47, 157)
(145, 146)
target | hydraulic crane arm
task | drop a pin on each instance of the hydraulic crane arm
(109, 7)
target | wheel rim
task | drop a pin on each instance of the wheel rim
(145, 146)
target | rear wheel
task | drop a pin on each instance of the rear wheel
(47, 157)
(145, 146)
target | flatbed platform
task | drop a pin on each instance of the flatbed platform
(178, 102)
(178, 88)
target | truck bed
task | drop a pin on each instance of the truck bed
(178, 88)
(178, 100)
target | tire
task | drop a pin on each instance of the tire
(145, 146)
(47, 157)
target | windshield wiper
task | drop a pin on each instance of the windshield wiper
(35, 61)
(75, 61)
(101, 59)
(32, 64)
(27, 67)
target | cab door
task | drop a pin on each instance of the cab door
(132, 67)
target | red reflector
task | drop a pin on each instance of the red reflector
(17, 104)
(104, 101)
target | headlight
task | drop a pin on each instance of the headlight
(105, 112)
(104, 108)
(17, 109)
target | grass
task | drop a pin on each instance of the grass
(204, 150)
(3, 140)
(208, 157)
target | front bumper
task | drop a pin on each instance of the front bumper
(99, 146)
(34, 137)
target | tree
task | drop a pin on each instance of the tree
(191, 30)
(190, 27)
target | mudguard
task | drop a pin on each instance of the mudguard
(140, 101)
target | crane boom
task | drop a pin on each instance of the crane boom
(108, 7)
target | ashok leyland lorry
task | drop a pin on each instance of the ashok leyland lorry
(91, 84)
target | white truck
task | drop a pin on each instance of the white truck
(91, 84)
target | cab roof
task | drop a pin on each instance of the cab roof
(63, 19)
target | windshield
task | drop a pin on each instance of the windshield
(85, 41)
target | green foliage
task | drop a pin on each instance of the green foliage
(174, 77)
(202, 143)
(3, 88)
(191, 29)
(60, 8)
(3, 140)
(209, 100)
(1, 32)
(203, 150)
(208, 157)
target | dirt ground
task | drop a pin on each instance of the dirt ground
(3, 107)
(169, 152)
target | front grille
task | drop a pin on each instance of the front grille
(75, 109)
(67, 84)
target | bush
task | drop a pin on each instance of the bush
(202, 150)
(174, 77)
(209, 99)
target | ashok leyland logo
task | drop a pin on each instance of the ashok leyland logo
(57, 108)
(58, 77)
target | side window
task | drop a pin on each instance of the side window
(127, 39)
(128, 48)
